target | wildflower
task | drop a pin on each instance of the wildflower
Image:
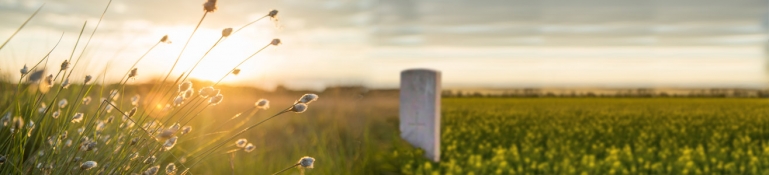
(132, 112)
(56, 113)
(87, 79)
(298, 108)
(132, 74)
(24, 70)
(62, 103)
(100, 126)
(241, 143)
(88, 165)
(135, 100)
(186, 129)
(307, 98)
(216, 99)
(109, 108)
(275, 42)
(209, 6)
(65, 84)
(226, 32)
(306, 162)
(80, 130)
(17, 123)
(30, 126)
(63, 135)
(68, 143)
(64, 65)
(42, 108)
(185, 86)
(207, 91)
(170, 168)
(249, 147)
(152, 170)
(178, 101)
(236, 71)
(77, 118)
(150, 160)
(188, 93)
(170, 143)
(165, 39)
(109, 120)
(262, 104)
(88, 145)
(86, 100)
(36, 76)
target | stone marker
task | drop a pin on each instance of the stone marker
(420, 110)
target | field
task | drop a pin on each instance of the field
(598, 136)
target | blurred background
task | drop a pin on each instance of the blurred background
(476, 44)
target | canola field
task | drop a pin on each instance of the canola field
(598, 136)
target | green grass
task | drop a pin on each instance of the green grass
(598, 136)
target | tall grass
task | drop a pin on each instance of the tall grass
(54, 123)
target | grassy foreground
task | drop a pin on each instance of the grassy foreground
(598, 136)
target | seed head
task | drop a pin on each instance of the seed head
(86, 100)
(262, 104)
(306, 162)
(132, 112)
(188, 93)
(56, 114)
(209, 6)
(170, 168)
(241, 143)
(64, 65)
(65, 84)
(170, 143)
(216, 99)
(115, 94)
(150, 160)
(307, 98)
(77, 118)
(17, 124)
(24, 70)
(165, 39)
(6, 118)
(152, 170)
(88, 165)
(135, 100)
(273, 13)
(226, 32)
(236, 71)
(132, 74)
(49, 80)
(185, 86)
(298, 108)
(275, 42)
(178, 101)
(207, 91)
(62, 103)
(186, 129)
(87, 79)
(2, 160)
(249, 147)
(42, 108)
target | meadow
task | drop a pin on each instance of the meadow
(598, 136)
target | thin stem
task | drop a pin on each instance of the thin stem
(233, 69)
(236, 135)
(21, 27)
(292, 166)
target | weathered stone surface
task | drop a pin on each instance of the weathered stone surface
(420, 110)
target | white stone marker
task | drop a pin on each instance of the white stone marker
(420, 110)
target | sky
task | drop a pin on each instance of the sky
(482, 43)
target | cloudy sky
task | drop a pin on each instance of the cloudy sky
(482, 43)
